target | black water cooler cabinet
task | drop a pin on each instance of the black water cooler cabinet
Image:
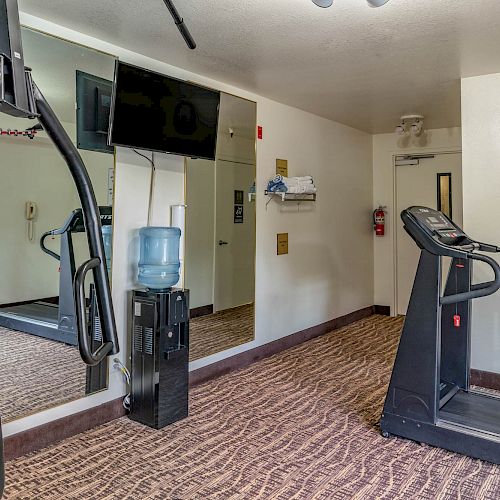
(160, 357)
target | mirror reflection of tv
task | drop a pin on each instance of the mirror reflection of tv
(158, 113)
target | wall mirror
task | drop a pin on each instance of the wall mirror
(40, 366)
(219, 263)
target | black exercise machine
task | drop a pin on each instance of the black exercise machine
(20, 97)
(55, 321)
(429, 397)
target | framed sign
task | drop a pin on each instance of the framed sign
(238, 197)
(238, 214)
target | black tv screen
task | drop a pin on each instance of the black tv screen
(159, 113)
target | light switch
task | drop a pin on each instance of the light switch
(282, 246)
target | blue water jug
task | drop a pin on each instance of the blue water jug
(107, 236)
(159, 257)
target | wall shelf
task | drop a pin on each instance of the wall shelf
(294, 197)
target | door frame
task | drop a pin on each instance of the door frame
(395, 219)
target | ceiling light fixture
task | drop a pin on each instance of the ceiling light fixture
(179, 22)
(376, 3)
(328, 3)
(323, 3)
(401, 129)
(416, 128)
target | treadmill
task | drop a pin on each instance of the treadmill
(429, 398)
(48, 320)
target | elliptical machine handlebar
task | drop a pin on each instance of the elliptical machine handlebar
(480, 289)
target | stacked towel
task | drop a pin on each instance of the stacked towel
(294, 185)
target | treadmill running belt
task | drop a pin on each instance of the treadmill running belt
(37, 311)
(476, 411)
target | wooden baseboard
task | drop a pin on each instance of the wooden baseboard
(489, 380)
(201, 311)
(62, 428)
(383, 310)
(246, 358)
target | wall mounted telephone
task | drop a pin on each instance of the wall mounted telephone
(31, 210)
(30, 215)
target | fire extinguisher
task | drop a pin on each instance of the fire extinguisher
(379, 221)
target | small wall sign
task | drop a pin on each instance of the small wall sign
(282, 167)
(238, 214)
(238, 197)
(282, 243)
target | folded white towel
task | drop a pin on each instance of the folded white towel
(294, 182)
(302, 189)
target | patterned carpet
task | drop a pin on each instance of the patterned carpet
(220, 331)
(36, 374)
(301, 424)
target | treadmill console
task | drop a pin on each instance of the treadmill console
(433, 224)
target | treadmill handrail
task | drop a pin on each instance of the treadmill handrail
(84, 339)
(55, 232)
(480, 289)
(47, 250)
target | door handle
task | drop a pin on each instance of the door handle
(223, 243)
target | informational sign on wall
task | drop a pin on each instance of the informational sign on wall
(282, 243)
(238, 214)
(238, 197)
(282, 167)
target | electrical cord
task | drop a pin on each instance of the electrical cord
(152, 183)
(118, 365)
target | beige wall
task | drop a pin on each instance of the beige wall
(385, 146)
(33, 170)
(481, 178)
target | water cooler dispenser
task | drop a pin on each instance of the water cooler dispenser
(160, 333)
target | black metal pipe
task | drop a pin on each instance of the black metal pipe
(181, 26)
(63, 143)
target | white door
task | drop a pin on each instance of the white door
(418, 185)
(234, 276)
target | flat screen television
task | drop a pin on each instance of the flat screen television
(158, 113)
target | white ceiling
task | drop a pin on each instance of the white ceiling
(358, 65)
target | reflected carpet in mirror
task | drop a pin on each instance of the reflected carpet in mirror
(36, 374)
(220, 331)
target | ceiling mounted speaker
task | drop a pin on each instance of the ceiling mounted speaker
(323, 3)
(376, 3)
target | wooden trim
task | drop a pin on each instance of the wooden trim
(201, 311)
(52, 432)
(383, 310)
(246, 358)
(489, 380)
